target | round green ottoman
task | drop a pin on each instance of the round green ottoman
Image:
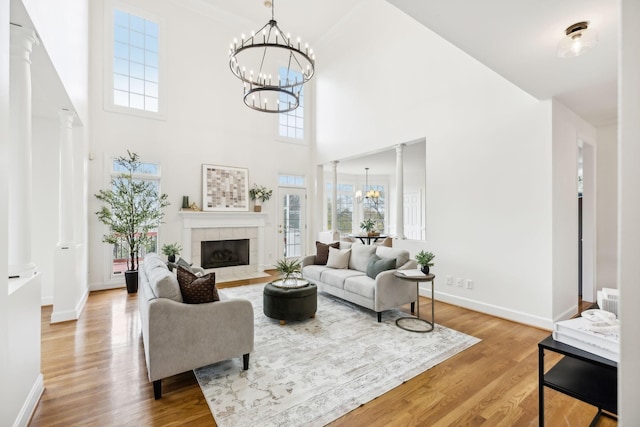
(290, 304)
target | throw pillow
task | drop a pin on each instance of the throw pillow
(377, 265)
(185, 264)
(322, 251)
(197, 290)
(338, 258)
(360, 255)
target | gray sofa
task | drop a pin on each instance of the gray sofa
(352, 284)
(179, 337)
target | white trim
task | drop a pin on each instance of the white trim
(108, 36)
(64, 316)
(29, 406)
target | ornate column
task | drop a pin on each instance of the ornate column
(65, 187)
(334, 197)
(399, 192)
(20, 187)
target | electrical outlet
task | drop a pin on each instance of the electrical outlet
(449, 280)
(469, 284)
(459, 281)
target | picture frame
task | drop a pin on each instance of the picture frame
(225, 188)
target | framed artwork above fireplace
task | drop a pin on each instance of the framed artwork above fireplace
(225, 188)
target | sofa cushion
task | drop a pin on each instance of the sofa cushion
(197, 290)
(336, 277)
(401, 256)
(338, 258)
(162, 282)
(322, 252)
(377, 265)
(345, 245)
(313, 272)
(360, 255)
(361, 285)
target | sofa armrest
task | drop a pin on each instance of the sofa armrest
(308, 260)
(183, 336)
(409, 265)
(392, 291)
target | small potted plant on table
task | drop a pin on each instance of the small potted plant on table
(289, 270)
(424, 260)
(171, 250)
(368, 225)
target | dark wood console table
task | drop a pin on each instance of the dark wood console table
(579, 374)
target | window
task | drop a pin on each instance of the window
(133, 80)
(344, 206)
(148, 172)
(374, 208)
(291, 180)
(291, 124)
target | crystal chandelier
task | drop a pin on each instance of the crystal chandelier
(272, 66)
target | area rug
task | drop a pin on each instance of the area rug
(311, 372)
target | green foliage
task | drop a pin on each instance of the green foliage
(171, 249)
(132, 208)
(260, 192)
(288, 267)
(424, 258)
(368, 225)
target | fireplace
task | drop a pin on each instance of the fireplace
(224, 253)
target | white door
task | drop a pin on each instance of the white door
(412, 217)
(291, 221)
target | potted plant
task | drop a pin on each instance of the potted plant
(259, 194)
(171, 250)
(132, 208)
(288, 269)
(424, 260)
(369, 226)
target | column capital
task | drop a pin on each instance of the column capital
(66, 118)
(22, 41)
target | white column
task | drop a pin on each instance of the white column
(65, 182)
(20, 188)
(399, 192)
(334, 197)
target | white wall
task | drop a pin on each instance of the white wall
(607, 206)
(629, 212)
(488, 151)
(207, 123)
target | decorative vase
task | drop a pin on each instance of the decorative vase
(185, 202)
(257, 207)
(171, 258)
(425, 269)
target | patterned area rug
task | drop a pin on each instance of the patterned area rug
(311, 372)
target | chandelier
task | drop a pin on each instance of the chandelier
(272, 66)
(374, 195)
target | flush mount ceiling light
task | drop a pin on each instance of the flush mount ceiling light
(272, 66)
(578, 40)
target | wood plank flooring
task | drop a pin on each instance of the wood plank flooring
(95, 375)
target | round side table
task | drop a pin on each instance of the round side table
(416, 324)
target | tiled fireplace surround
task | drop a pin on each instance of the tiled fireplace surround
(204, 226)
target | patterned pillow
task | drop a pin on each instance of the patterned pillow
(197, 290)
(322, 251)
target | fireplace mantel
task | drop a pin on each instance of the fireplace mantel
(220, 220)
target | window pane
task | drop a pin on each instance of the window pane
(121, 82)
(151, 74)
(151, 59)
(121, 98)
(136, 39)
(121, 66)
(151, 43)
(151, 104)
(137, 70)
(121, 50)
(136, 86)
(151, 28)
(137, 23)
(137, 101)
(121, 34)
(121, 18)
(151, 89)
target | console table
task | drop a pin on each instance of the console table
(579, 374)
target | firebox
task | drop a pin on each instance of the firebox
(224, 253)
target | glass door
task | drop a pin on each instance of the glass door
(291, 221)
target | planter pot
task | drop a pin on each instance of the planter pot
(171, 258)
(425, 269)
(131, 279)
(257, 205)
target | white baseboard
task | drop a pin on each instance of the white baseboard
(46, 301)
(106, 286)
(65, 316)
(26, 412)
(493, 310)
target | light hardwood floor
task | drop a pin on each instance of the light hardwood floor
(95, 374)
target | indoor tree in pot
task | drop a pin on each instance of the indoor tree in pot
(132, 208)
(424, 260)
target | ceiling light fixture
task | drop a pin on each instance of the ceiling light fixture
(370, 194)
(578, 40)
(272, 66)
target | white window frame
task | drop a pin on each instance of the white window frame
(109, 7)
(309, 91)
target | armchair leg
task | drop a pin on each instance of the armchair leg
(245, 361)
(157, 389)
(379, 316)
(413, 307)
